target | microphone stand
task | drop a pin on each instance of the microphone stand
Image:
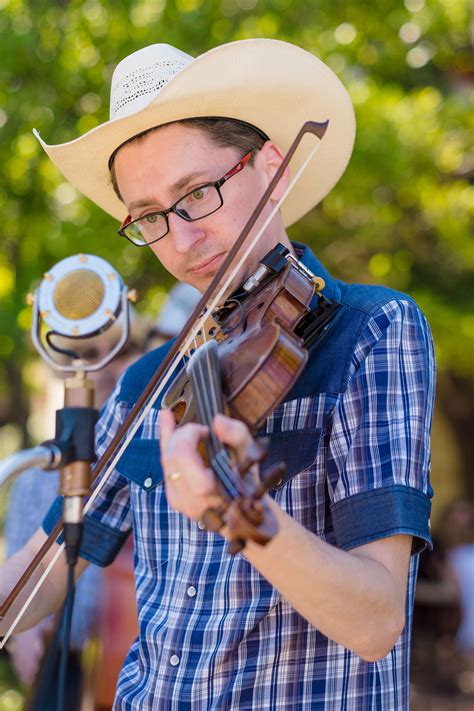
(72, 448)
(47, 457)
(75, 424)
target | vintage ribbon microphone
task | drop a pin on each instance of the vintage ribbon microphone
(79, 298)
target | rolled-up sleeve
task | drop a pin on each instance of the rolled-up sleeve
(379, 438)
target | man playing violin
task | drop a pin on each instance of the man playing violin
(319, 617)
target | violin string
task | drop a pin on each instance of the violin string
(197, 367)
(223, 465)
(221, 460)
(202, 390)
(210, 405)
(209, 402)
(226, 473)
(174, 365)
(213, 404)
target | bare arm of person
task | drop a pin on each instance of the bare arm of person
(51, 593)
(356, 598)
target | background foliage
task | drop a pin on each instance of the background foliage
(400, 215)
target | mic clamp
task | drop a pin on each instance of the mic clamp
(74, 437)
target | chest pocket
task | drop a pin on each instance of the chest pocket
(141, 464)
(297, 449)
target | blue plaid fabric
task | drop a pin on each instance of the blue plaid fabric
(213, 633)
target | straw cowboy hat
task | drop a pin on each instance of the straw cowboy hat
(271, 84)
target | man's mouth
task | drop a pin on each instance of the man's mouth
(209, 264)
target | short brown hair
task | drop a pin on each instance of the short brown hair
(223, 132)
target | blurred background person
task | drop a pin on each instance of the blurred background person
(457, 539)
(443, 649)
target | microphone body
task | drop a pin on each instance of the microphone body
(75, 425)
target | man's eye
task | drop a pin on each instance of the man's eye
(151, 219)
(199, 193)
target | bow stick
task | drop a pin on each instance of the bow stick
(168, 366)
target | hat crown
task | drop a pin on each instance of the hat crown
(138, 78)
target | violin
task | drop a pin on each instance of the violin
(248, 356)
(282, 360)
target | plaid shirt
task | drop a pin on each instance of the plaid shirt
(213, 633)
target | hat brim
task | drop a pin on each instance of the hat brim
(269, 83)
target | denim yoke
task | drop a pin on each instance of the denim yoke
(300, 441)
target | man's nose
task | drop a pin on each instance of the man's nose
(185, 235)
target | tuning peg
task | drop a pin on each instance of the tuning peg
(273, 478)
(256, 452)
(319, 283)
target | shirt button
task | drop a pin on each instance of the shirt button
(191, 591)
(148, 482)
(174, 660)
(201, 526)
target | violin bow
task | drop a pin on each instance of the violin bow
(209, 300)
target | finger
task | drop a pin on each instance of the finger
(185, 438)
(167, 426)
(232, 432)
(179, 448)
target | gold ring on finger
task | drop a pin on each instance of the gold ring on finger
(174, 476)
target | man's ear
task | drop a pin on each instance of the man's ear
(272, 158)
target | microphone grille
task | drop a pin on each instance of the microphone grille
(79, 294)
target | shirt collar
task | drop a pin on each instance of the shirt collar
(310, 260)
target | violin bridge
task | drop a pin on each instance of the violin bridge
(209, 331)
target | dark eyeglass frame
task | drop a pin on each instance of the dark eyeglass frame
(217, 184)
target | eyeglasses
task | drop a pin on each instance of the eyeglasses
(198, 203)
